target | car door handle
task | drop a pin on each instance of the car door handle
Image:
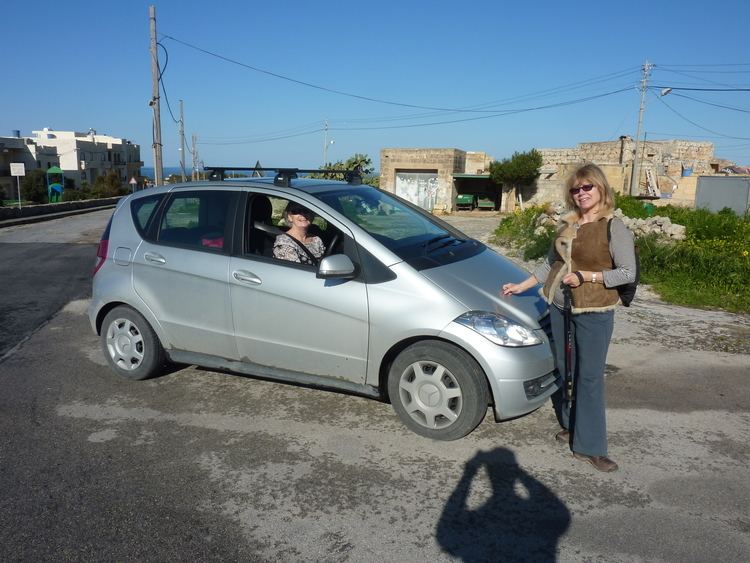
(155, 258)
(245, 276)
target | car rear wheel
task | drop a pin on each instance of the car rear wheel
(130, 345)
(438, 390)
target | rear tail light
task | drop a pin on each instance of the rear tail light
(101, 250)
(101, 255)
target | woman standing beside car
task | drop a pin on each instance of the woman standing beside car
(590, 257)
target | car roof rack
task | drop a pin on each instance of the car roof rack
(284, 176)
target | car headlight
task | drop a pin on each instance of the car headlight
(499, 329)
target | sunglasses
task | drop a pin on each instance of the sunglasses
(585, 188)
(300, 211)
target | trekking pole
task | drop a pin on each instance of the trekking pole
(567, 298)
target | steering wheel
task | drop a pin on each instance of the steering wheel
(331, 245)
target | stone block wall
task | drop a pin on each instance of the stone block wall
(608, 152)
(666, 159)
(477, 162)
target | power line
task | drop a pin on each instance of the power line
(339, 92)
(703, 89)
(685, 135)
(290, 130)
(310, 85)
(705, 65)
(161, 82)
(670, 108)
(498, 114)
(700, 78)
(525, 97)
(273, 137)
(246, 142)
(438, 110)
(710, 103)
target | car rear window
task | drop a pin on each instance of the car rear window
(143, 210)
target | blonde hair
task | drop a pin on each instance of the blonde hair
(592, 174)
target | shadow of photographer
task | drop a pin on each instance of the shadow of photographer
(521, 520)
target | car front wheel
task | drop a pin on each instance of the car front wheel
(130, 345)
(438, 390)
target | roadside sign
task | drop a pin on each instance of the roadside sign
(18, 169)
(133, 182)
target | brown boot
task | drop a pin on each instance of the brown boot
(601, 462)
(563, 436)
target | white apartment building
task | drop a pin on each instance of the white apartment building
(84, 157)
(22, 150)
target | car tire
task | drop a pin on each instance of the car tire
(130, 345)
(438, 390)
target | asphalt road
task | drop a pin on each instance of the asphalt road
(201, 465)
(43, 266)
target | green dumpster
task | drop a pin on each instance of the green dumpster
(486, 203)
(465, 201)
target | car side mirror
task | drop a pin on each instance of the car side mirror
(337, 266)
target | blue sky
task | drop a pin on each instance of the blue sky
(77, 65)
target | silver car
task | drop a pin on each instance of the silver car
(401, 306)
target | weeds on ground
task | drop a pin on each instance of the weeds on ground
(710, 268)
(520, 233)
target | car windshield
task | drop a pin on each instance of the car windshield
(405, 230)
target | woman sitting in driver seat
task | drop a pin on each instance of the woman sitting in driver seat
(289, 245)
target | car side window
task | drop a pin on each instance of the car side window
(197, 219)
(266, 225)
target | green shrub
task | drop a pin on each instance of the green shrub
(34, 186)
(699, 272)
(710, 268)
(109, 185)
(518, 231)
(74, 195)
(631, 207)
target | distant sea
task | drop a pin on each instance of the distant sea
(148, 171)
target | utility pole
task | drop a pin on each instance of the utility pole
(195, 157)
(154, 103)
(182, 143)
(635, 172)
(326, 144)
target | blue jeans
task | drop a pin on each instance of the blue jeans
(591, 335)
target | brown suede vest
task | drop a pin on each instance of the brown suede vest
(583, 248)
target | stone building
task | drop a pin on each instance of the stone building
(668, 170)
(433, 177)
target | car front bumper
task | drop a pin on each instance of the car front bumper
(521, 379)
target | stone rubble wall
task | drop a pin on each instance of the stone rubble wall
(662, 226)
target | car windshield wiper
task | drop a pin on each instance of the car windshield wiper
(439, 241)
